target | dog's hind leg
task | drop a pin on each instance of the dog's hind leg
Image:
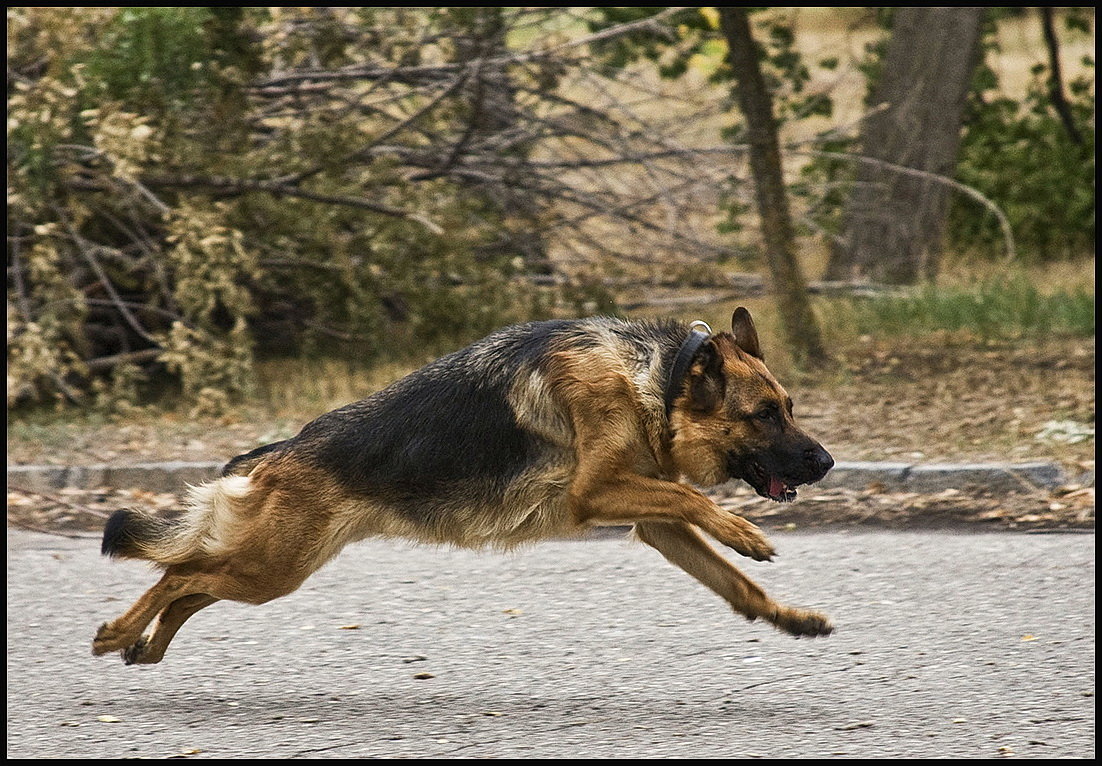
(682, 545)
(150, 649)
(183, 590)
(127, 629)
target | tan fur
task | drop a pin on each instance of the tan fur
(694, 451)
(612, 457)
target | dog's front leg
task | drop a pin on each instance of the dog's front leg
(632, 498)
(683, 546)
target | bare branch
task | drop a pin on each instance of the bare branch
(133, 357)
(247, 185)
(971, 192)
(1055, 77)
(86, 250)
(434, 72)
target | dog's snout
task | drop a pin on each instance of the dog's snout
(819, 460)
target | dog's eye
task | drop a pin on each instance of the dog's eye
(767, 413)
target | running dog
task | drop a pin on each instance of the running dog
(539, 430)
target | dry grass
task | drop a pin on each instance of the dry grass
(294, 388)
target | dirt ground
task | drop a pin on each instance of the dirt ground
(899, 401)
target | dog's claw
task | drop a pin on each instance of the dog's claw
(765, 553)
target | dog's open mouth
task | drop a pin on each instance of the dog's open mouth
(768, 485)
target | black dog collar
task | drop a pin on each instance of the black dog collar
(684, 358)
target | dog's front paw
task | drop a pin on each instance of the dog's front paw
(746, 538)
(802, 622)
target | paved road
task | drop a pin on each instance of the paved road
(948, 645)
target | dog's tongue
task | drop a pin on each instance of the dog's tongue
(777, 488)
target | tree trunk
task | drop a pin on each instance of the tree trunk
(801, 329)
(493, 111)
(894, 222)
(1055, 78)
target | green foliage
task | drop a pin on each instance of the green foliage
(1022, 156)
(177, 207)
(148, 58)
(673, 57)
(698, 36)
(996, 309)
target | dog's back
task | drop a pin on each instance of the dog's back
(447, 431)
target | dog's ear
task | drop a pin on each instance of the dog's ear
(707, 385)
(745, 335)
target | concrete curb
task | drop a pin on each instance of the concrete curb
(934, 477)
(892, 477)
(154, 477)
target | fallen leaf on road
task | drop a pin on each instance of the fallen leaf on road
(852, 726)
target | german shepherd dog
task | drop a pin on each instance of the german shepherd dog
(538, 430)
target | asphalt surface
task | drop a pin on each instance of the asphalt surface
(948, 644)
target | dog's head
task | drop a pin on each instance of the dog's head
(733, 420)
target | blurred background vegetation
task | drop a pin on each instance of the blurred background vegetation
(206, 205)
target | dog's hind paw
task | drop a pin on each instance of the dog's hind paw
(132, 655)
(107, 640)
(802, 622)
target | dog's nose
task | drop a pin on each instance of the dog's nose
(819, 459)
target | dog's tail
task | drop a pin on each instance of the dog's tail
(204, 528)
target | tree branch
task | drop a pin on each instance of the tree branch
(235, 186)
(1004, 222)
(434, 72)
